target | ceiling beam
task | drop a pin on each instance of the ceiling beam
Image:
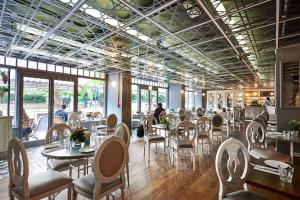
(277, 22)
(56, 27)
(227, 38)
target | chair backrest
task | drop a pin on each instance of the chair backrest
(109, 163)
(233, 177)
(162, 115)
(255, 134)
(181, 112)
(188, 116)
(260, 120)
(171, 118)
(57, 132)
(18, 167)
(123, 132)
(186, 132)
(111, 122)
(74, 120)
(57, 120)
(203, 126)
(217, 121)
(148, 125)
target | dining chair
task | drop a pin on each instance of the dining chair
(203, 128)
(162, 116)
(186, 135)
(188, 116)
(74, 120)
(111, 123)
(57, 120)
(108, 171)
(181, 112)
(38, 186)
(150, 135)
(232, 170)
(256, 137)
(123, 132)
(217, 127)
(170, 133)
(59, 132)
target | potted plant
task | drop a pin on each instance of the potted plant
(77, 137)
(3, 90)
(164, 122)
(294, 126)
(4, 76)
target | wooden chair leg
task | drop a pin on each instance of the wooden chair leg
(70, 192)
(149, 152)
(127, 172)
(107, 197)
(122, 193)
(75, 194)
(144, 148)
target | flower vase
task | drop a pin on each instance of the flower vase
(76, 144)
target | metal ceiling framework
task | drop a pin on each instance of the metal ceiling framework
(199, 43)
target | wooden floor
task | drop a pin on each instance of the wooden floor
(157, 180)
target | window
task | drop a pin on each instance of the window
(134, 99)
(189, 100)
(4, 91)
(90, 95)
(162, 96)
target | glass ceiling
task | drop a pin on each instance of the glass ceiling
(200, 43)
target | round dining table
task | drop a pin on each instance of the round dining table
(71, 154)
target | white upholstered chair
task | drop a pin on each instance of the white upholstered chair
(232, 166)
(217, 127)
(111, 123)
(203, 128)
(108, 171)
(150, 135)
(256, 136)
(186, 139)
(74, 120)
(123, 132)
(39, 186)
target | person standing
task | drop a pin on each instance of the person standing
(157, 111)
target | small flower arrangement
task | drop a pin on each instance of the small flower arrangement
(294, 125)
(77, 135)
(164, 121)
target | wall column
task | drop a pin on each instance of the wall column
(176, 97)
(119, 97)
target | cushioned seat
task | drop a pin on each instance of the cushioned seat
(153, 138)
(44, 182)
(269, 154)
(101, 127)
(61, 165)
(86, 184)
(243, 195)
(203, 136)
(58, 165)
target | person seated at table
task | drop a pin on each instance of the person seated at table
(268, 102)
(157, 111)
(62, 113)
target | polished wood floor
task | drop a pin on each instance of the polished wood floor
(157, 180)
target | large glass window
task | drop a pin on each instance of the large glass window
(162, 96)
(3, 91)
(189, 100)
(144, 101)
(153, 99)
(90, 95)
(134, 98)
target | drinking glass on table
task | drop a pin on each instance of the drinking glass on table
(286, 174)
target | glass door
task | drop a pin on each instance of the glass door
(34, 109)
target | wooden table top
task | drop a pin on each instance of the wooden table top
(272, 183)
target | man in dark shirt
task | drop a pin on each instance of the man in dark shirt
(62, 113)
(157, 111)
